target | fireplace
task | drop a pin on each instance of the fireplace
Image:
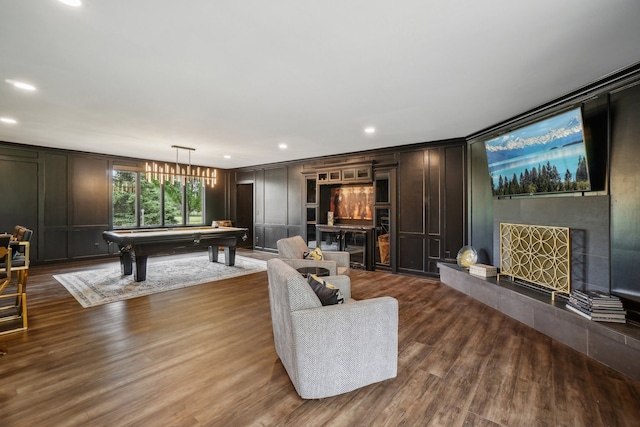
(536, 255)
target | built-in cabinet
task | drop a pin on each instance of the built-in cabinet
(346, 174)
(431, 206)
(384, 216)
(311, 208)
(357, 240)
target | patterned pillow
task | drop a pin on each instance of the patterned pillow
(326, 292)
(314, 254)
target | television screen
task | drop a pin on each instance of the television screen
(548, 156)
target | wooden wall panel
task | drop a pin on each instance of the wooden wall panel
(275, 196)
(56, 245)
(91, 194)
(87, 242)
(260, 198)
(56, 206)
(19, 197)
(454, 185)
(272, 234)
(411, 192)
(433, 171)
(411, 253)
(295, 192)
(19, 190)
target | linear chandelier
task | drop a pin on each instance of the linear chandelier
(165, 172)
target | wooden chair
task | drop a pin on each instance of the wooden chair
(13, 298)
(20, 244)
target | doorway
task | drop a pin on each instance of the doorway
(244, 212)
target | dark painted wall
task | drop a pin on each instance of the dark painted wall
(431, 199)
(65, 198)
(605, 222)
(588, 219)
(625, 192)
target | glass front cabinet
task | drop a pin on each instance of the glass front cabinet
(383, 217)
(311, 209)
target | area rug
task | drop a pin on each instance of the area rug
(105, 285)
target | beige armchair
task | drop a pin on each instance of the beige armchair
(292, 249)
(332, 349)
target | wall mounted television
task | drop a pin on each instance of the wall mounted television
(548, 156)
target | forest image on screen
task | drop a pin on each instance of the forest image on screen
(545, 157)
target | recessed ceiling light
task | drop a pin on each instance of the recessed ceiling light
(370, 130)
(226, 156)
(282, 146)
(74, 3)
(8, 120)
(21, 85)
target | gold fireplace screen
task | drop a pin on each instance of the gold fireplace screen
(537, 254)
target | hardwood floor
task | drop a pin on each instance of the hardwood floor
(204, 355)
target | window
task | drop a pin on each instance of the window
(142, 202)
(193, 193)
(173, 203)
(151, 202)
(124, 198)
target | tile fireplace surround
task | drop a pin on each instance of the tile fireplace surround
(614, 345)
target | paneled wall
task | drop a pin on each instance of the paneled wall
(431, 206)
(65, 198)
(21, 199)
(278, 202)
(431, 200)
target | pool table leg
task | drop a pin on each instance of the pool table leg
(229, 255)
(213, 253)
(126, 266)
(140, 274)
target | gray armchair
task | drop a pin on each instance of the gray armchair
(334, 349)
(291, 250)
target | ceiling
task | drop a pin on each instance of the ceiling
(237, 78)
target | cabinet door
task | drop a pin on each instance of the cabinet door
(431, 209)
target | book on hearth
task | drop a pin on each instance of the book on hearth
(483, 270)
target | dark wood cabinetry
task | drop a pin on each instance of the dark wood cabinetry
(357, 240)
(431, 213)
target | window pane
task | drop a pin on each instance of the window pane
(173, 203)
(150, 214)
(124, 198)
(195, 212)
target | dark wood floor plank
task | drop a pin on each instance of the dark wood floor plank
(204, 355)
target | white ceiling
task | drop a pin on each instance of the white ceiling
(133, 77)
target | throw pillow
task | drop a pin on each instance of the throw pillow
(314, 254)
(326, 292)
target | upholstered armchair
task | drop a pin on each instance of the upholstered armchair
(292, 251)
(333, 349)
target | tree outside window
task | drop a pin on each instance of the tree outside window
(173, 202)
(124, 198)
(138, 201)
(193, 192)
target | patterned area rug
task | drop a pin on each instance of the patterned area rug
(105, 285)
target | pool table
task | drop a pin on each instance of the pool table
(137, 245)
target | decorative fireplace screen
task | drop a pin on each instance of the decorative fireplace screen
(537, 254)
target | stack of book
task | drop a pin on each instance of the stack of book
(596, 305)
(483, 270)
